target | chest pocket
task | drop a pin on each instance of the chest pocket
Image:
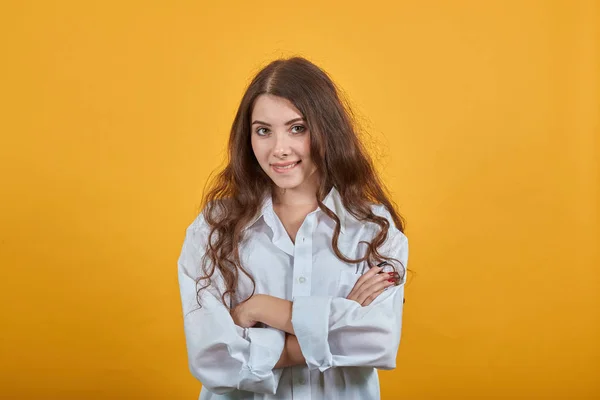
(332, 276)
(346, 281)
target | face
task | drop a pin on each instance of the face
(281, 142)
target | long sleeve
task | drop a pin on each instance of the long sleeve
(222, 355)
(337, 332)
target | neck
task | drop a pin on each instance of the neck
(303, 195)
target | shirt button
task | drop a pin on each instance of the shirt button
(302, 279)
(302, 381)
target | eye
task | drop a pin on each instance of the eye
(261, 131)
(298, 128)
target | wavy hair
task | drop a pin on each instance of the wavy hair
(234, 196)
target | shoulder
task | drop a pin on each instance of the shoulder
(212, 211)
(198, 231)
(381, 211)
(196, 234)
(198, 224)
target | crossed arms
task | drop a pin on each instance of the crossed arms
(227, 352)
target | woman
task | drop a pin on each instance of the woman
(292, 277)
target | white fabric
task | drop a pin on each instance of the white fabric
(343, 342)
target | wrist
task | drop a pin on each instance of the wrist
(294, 354)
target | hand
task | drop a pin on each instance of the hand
(268, 310)
(244, 313)
(371, 285)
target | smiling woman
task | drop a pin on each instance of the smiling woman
(281, 142)
(292, 277)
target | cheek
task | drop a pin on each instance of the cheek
(262, 156)
(256, 149)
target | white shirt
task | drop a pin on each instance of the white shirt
(343, 342)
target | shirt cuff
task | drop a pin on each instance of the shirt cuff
(266, 346)
(310, 319)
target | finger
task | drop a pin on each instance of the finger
(365, 277)
(372, 298)
(366, 287)
(370, 273)
(374, 291)
(368, 297)
(371, 279)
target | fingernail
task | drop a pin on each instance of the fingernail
(391, 280)
(391, 273)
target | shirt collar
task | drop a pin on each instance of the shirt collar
(267, 204)
(333, 201)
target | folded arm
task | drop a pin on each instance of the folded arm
(292, 354)
(222, 355)
(337, 332)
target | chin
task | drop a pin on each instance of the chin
(287, 185)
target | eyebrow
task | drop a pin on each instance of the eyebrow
(291, 121)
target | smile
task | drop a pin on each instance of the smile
(285, 168)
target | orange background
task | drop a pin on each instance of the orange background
(484, 121)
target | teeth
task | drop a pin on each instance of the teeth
(288, 166)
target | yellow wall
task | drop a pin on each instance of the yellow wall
(484, 117)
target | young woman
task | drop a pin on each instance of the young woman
(292, 277)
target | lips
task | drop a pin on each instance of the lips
(285, 167)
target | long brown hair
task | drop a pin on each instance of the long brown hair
(235, 194)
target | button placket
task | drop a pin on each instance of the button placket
(303, 258)
(300, 382)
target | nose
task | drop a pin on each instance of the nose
(281, 148)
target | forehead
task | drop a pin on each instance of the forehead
(270, 108)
